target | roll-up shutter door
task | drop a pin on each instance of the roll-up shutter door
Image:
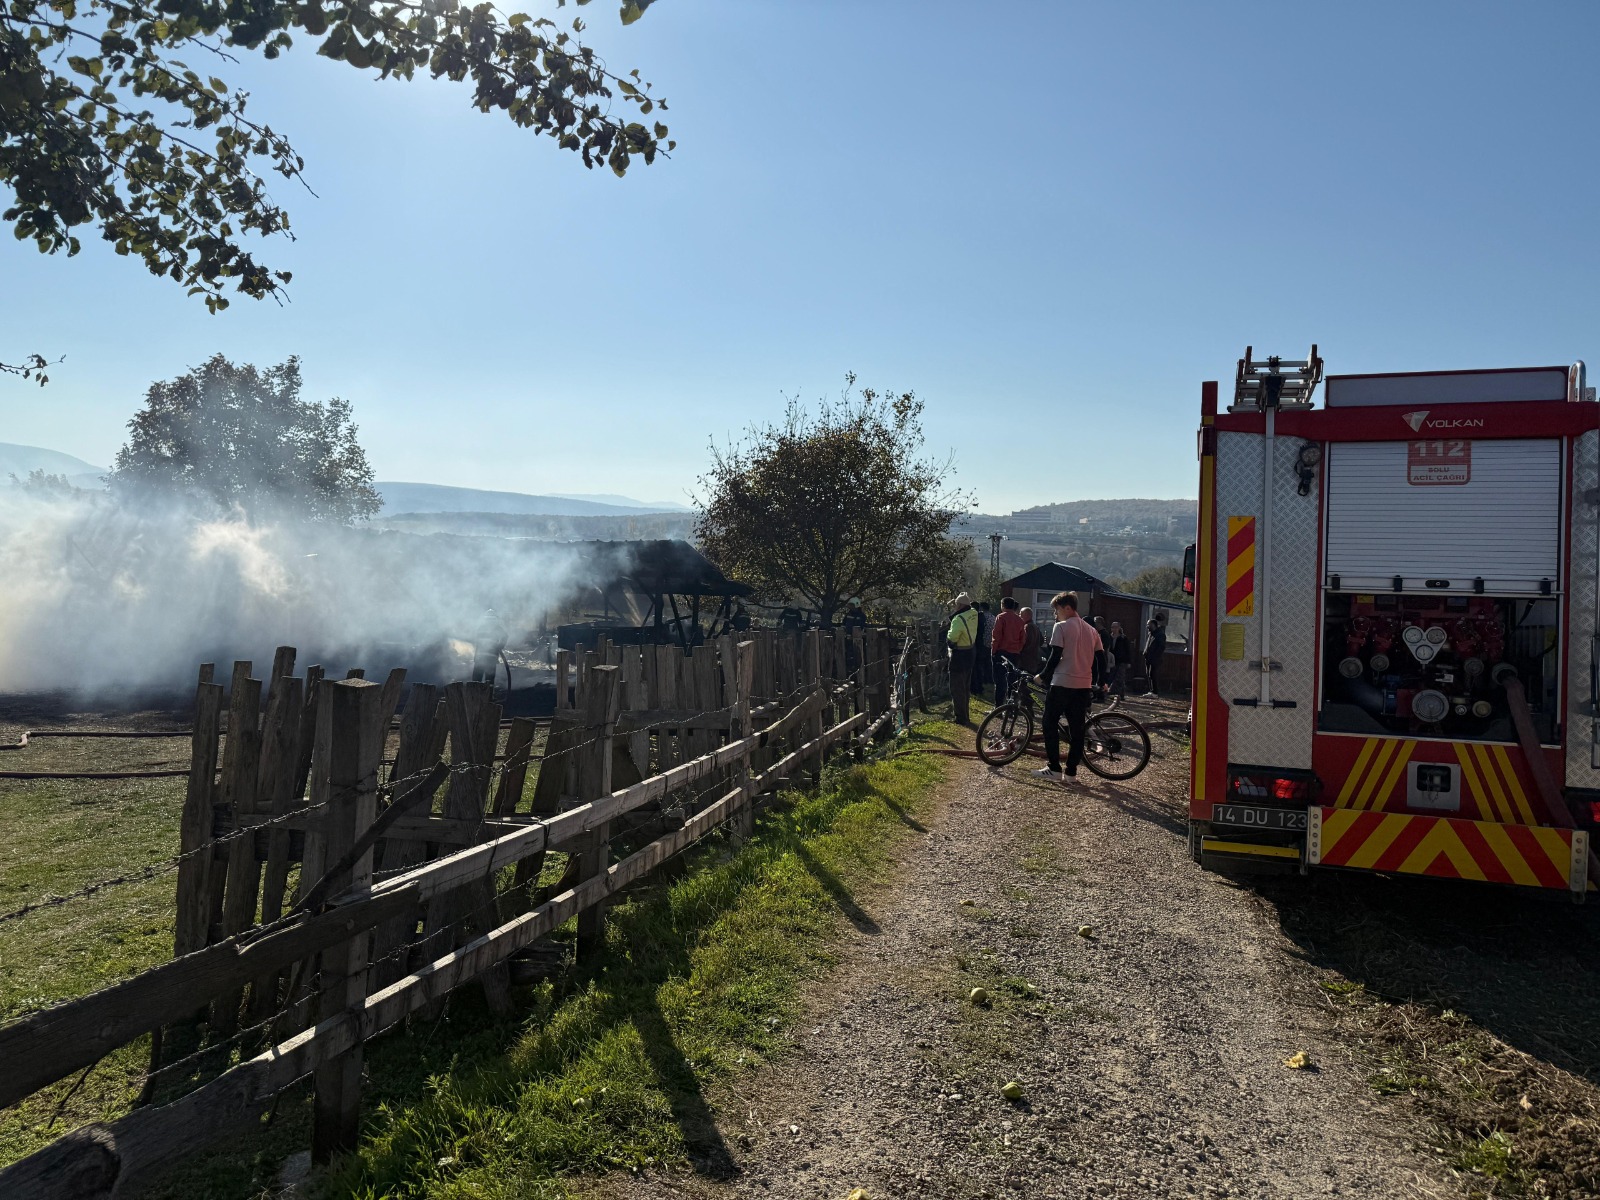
(1502, 524)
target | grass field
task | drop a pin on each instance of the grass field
(60, 835)
(610, 1066)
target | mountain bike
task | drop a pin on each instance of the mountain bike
(1115, 746)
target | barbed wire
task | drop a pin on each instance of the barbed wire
(302, 997)
(165, 866)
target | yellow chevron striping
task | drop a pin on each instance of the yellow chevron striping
(1510, 857)
(1386, 789)
(1354, 778)
(1442, 839)
(1473, 788)
(1385, 752)
(1335, 824)
(1491, 777)
(1556, 848)
(1242, 565)
(1379, 840)
(1514, 785)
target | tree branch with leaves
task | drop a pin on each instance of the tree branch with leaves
(102, 124)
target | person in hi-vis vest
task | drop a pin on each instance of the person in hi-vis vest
(962, 638)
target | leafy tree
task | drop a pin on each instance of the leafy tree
(41, 483)
(821, 508)
(103, 123)
(1159, 583)
(225, 436)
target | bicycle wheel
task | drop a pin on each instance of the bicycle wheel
(1115, 746)
(1004, 735)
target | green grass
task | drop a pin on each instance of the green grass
(58, 837)
(615, 1067)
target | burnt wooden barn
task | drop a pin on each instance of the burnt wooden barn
(654, 592)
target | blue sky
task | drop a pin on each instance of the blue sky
(1050, 220)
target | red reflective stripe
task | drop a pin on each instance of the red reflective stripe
(1242, 539)
(1360, 829)
(1534, 855)
(1404, 843)
(1482, 853)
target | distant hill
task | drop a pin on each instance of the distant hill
(1113, 539)
(625, 501)
(19, 460)
(545, 527)
(438, 498)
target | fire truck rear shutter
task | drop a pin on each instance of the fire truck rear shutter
(1502, 525)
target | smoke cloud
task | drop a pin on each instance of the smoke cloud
(101, 596)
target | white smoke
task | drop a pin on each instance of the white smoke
(98, 597)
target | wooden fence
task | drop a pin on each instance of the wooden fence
(339, 870)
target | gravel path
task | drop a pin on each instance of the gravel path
(1150, 1053)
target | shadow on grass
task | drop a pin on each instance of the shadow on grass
(899, 811)
(675, 1074)
(1524, 966)
(857, 916)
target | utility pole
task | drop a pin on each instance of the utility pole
(994, 554)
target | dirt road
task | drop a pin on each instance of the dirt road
(1150, 1053)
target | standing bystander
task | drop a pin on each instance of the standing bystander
(1030, 659)
(1069, 674)
(982, 663)
(1155, 645)
(961, 638)
(1006, 643)
(1120, 655)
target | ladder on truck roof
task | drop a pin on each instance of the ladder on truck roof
(1275, 383)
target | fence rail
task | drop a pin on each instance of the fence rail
(402, 895)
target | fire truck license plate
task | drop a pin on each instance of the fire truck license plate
(1244, 817)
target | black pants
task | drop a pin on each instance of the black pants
(1073, 704)
(1002, 677)
(1152, 667)
(961, 682)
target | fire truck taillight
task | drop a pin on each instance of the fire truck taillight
(1292, 791)
(1289, 790)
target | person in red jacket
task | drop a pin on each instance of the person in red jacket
(1006, 643)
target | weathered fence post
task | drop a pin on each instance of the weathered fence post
(241, 762)
(594, 781)
(423, 730)
(279, 756)
(738, 673)
(637, 746)
(519, 753)
(863, 696)
(919, 674)
(885, 666)
(563, 696)
(308, 733)
(474, 732)
(813, 678)
(194, 872)
(348, 742)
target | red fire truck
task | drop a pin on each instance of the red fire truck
(1395, 642)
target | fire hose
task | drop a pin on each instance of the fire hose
(1555, 805)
